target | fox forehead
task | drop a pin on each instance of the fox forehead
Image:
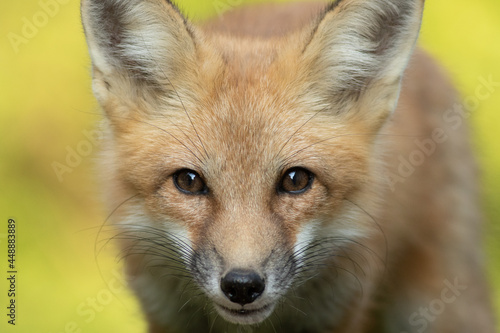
(243, 132)
(246, 120)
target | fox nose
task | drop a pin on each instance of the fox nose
(242, 286)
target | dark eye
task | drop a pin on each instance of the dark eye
(296, 181)
(189, 182)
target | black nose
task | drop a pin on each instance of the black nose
(242, 286)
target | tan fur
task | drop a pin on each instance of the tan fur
(236, 110)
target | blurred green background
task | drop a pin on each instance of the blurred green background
(46, 108)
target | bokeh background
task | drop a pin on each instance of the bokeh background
(47, 112)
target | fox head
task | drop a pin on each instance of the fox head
(239, 164)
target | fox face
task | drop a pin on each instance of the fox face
(249, 213)
(238, 164)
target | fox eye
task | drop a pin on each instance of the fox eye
(296, 181)
(189, 182)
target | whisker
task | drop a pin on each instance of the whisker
(178, 97)
(288, 158)
(157, 127)
(298, 129)
(386, 243)
(96, 253)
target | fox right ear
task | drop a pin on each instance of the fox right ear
(357, 54)
(139, 49)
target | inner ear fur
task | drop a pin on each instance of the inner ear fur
(138, 47)
(358, 51)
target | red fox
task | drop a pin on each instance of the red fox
(288, 168)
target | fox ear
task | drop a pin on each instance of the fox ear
(358, 52)
(138, 48)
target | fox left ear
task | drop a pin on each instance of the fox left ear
(358, 52)
(140, 49)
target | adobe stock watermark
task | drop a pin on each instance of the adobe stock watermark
(88, 309)
(75, 155)
(421, 319)
(222, 6)
(454, 119)
(32, 25)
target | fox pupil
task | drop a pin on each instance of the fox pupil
(189, 182)
(296, 181)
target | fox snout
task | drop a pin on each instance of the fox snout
(242, 272)
(246, 296)
(242, 286)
